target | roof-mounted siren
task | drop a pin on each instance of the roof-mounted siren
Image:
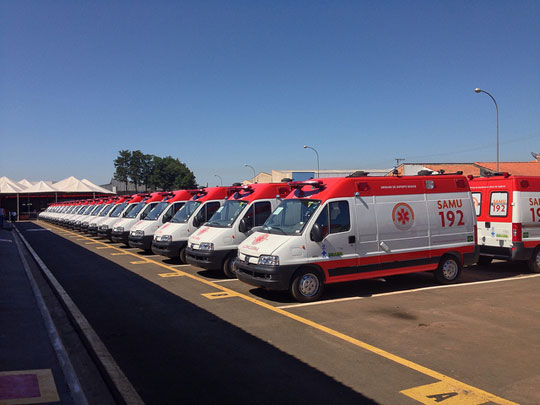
(358, 173)
(237, 188)
(536, 156)
(425, 173)
(313, 183)
(503, 174)
(197, 193)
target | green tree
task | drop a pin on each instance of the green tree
(135, 168)
(121, 165)
(147, 168)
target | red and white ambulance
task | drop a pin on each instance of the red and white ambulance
(142, 233)
(121, 228)
(214, 246)
(118, 212)
(171, 238)
(508, 213)
(342, 229)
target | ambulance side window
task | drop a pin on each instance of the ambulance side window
(322, 221)
(262, 212)
(211, 208)
(477, 200)
(340, 219)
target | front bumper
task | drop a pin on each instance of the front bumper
(517, 252)
(92, 229)
(207, 259)
(168, 249)
(268, 277)
(120, 237)
(141, 242)
(105, 233)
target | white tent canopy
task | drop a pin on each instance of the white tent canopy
(25, 183)
(96, 188)
(72, 185)
(40, 187)
(8, 186)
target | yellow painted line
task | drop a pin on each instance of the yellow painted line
(140, 262)
(166, 275)
(358, 343)
(218, 295)
(118, 253)
(104, 247)
(449, 393)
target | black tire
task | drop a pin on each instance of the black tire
(307, 285)
(182, 255)
(485, 260)
(449, 270)
(229, 266)
(534, 261)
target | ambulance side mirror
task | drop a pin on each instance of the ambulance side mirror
(198, 221)
(316, 233)
(243, 226)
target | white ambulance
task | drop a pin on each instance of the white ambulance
(214, 246)
(93, 226)
(142, 233)
(171, 238)
(508, 213)
(118, 212)
(342, 229)
(121, 228)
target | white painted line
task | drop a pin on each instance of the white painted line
(38, 230)
(224, 281)
(116, 375)
(6, 240)
(59, 348)
(499, 280)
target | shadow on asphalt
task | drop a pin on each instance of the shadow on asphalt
(173, 351)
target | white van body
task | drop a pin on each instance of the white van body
(142, 233)
(214, 246)
(171, 238)
(116, 214)
(343, 229)
(122, 227)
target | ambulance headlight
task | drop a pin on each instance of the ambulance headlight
(163, 238)
(269, 260)
(118, 229)
(206, 246)
(104, 227)
(138, 232)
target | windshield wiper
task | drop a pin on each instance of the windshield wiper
(275, 228)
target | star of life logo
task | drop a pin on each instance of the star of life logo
(260, 239)
(403, 216)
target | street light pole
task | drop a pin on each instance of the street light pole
(220, 179)
(254, 174)
(314, 150)
(477, 90)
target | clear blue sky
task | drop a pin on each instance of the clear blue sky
(219, 84)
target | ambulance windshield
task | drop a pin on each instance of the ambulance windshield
(227, 214)
(105, 210)
(117, 210)
(156, 212)
(291, 217)
(184, 213)
(133, 213)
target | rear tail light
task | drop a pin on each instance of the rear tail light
(475, 235)
(516, 232)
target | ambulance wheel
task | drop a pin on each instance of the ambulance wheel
(229, 266)
(307, 285)
(484, 260)
(182, 255)
(534, 261)
(448, 270)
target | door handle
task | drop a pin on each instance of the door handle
(352, 239)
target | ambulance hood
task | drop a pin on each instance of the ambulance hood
(263, 243)
(176, 230)
(146, 226)
(207, 234)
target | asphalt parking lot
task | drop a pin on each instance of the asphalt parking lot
(182, 333)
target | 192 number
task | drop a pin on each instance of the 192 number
(537, 217)
(449, 218)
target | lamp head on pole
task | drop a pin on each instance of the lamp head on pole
(477, 90)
